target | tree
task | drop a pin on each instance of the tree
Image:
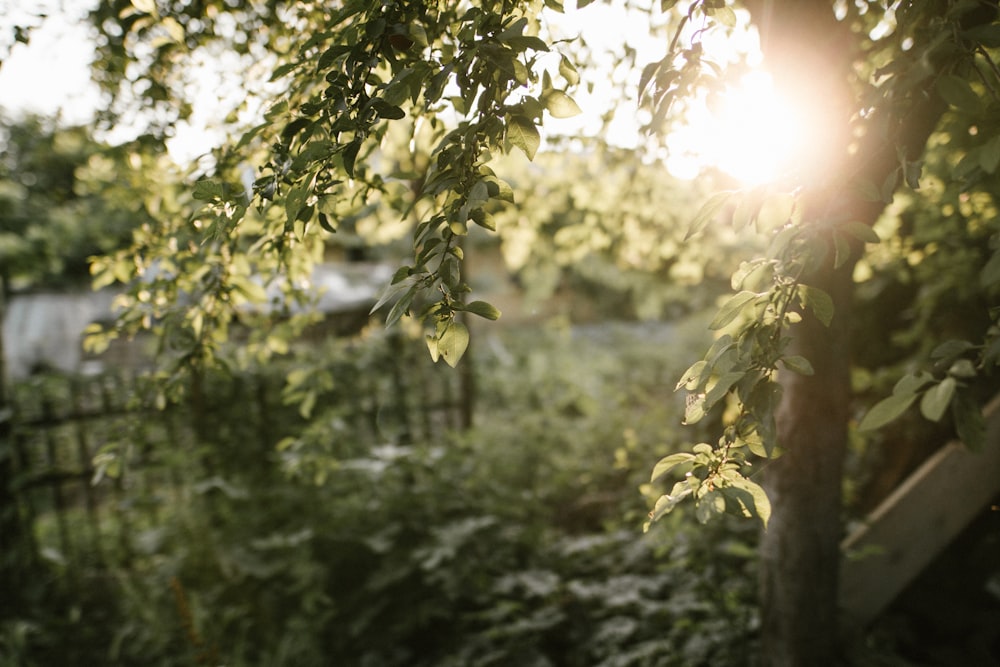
(905, 87)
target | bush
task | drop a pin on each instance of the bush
(515, 541)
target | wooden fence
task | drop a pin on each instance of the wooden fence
(93, 456)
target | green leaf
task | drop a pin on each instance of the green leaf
(522, 133)
(749, 495)
(665, 504)
(951, 349)
(969, 421)
(453, 343)
(708, 212)
(818, 301)
(568, 71)
(692, 376)
(911, 383)
(886, 411)
(989, 155)
(560, 105)
(208, 190)
(798, 364)
(393, 291)
(990, 275)
(694, 408)
(957, 92)
(482, 309)
(668, 463)
(731, 309)
(722, 387)
(724, 15)
(350, 155)
(861, 232)
(710, 506)
(937, 399)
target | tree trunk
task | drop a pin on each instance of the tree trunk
(800, 552)
(809, 52)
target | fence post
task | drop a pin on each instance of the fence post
(13, 546)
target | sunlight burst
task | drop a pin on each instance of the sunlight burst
(754, 134)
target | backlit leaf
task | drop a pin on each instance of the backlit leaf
(522, 133)
(668, 463)
(560, 105)
(453, 343)
(731, 309)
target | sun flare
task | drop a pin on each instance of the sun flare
(753, 133)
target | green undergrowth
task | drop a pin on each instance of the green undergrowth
(517, 541)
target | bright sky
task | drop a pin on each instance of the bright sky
(51, 75)
(751, 135)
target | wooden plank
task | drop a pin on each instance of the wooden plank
(916, 522)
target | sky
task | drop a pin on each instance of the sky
(50, 76)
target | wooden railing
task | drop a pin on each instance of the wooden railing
(904, 534)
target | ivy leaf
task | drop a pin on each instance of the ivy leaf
(937, 398)
(521, 132)
(886, 411)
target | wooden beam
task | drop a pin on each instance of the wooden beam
(916, 522)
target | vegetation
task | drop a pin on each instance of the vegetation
(474, 547)
(390, 117)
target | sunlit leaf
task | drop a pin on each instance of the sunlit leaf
(522, 133)
(668, 463)
(453, 343)
(560, 105)
(750, 496)
(708, 212)
(731, 309)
